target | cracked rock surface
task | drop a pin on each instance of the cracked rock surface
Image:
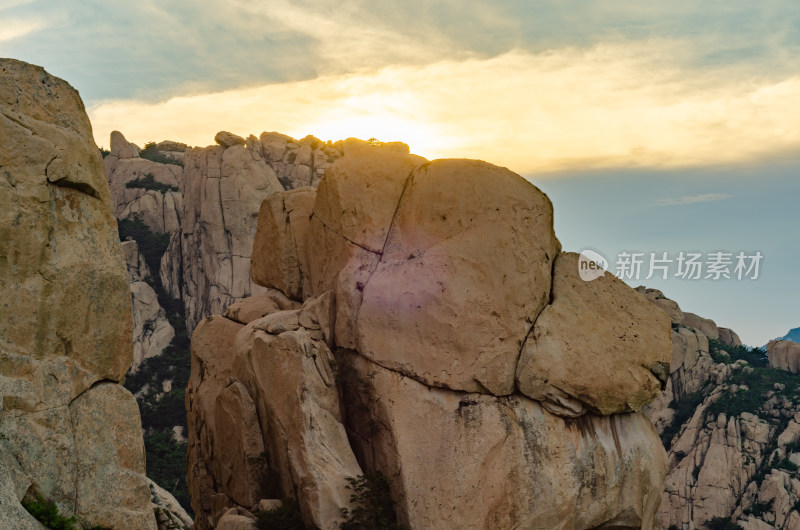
(400, 297)
(68, 431)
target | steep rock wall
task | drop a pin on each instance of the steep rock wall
(68, 431)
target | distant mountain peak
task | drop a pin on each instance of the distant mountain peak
(793, 335)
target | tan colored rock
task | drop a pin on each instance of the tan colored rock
(267, 505)
(60, 248)
(274, 145)
(292, 377)
(784, 355)
(280, 255)
(209, 472)
(254, 396)
(704, 325)
(481, 276)
(233, 520)
(691, 367)
(137, 268)
(256, 307)
(223, 190)
(152, 332)
(171, 146)
(670, 306)
(238, 446)
(121, 148)
(602, 324)
(791, 434)
(69, 432)
(110, 459)
(13, 488)
(461, 279)
(500, 462)
(226, 139)
(170, 515)
(343, 267)
(360, 194)
(729, 337)
(132, 196)
(718, 459)
(353, 211)
(318, 315)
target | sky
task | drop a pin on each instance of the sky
(654, 127)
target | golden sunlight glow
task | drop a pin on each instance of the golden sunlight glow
(14, 29)
(621, 105)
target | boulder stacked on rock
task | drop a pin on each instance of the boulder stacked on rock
(420, 321)
(69, 433)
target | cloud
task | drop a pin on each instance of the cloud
(15, 28)
(8, 4)
(625, 104)
(152, 49)
(692, 199)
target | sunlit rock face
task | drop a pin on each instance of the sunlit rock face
(207, 200)
(68, 431)
(401, 296)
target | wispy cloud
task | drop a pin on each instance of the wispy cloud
(613, 105)
(692, 199)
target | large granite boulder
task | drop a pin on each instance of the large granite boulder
(422, 285)
(68, 431)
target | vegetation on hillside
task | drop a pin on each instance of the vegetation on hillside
(162, 411)
(286, 517)
(149, 182)
(151, 152)
(684, 409)
(47, 513)
(372, 507)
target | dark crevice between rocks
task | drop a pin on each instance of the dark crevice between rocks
(72, 422)
(529, 335)
(92, 386)
(290, 232)
(406, 186)
(332, 231)
(81, 187)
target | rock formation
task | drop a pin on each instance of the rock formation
(191, 214)
(207, 201)
(152, 331)
(784, 355)
(731, 426)
(68, 431)
(406, 309)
